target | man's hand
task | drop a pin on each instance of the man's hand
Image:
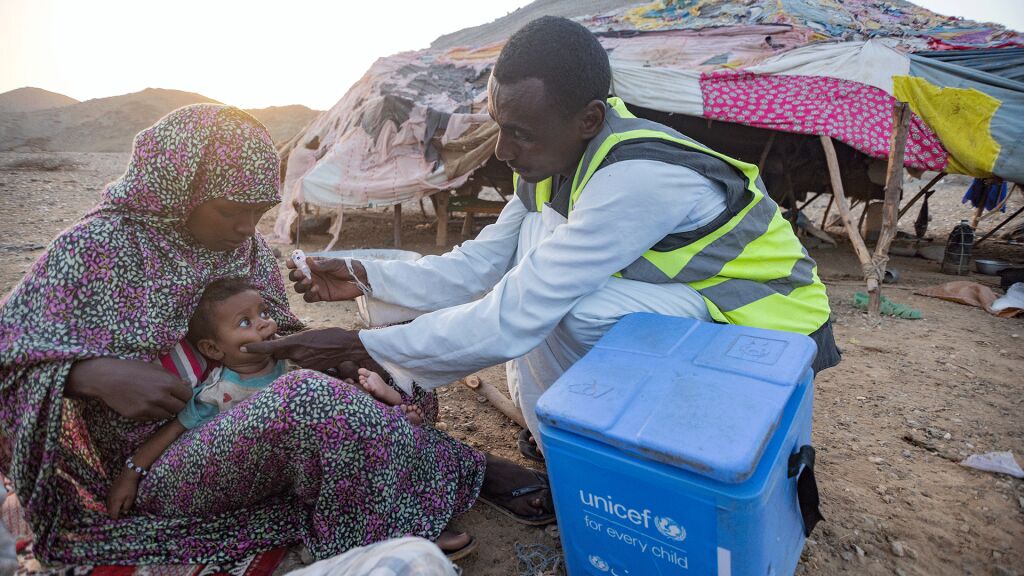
(122, 493)
(331, 279)
(321, 349)
(132, 388)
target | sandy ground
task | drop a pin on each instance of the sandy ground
(910, 399)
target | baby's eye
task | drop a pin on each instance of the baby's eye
(244, 323)
(265, 314)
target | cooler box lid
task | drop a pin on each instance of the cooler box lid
(698, 396)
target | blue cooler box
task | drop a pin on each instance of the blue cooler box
(675, 447)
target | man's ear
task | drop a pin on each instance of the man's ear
(591, 119)
(209, 348)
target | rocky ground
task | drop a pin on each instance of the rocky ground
(891, 423)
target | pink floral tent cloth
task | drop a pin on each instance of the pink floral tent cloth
(415, 123)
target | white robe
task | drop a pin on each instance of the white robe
(536, 290)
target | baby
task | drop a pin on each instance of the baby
(230, 314)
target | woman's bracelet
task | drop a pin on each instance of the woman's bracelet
(135, 468)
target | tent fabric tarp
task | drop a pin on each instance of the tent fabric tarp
(819, 67)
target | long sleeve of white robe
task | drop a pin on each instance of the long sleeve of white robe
(627, 208)
(462, 275)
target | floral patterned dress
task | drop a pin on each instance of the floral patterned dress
(310, 459)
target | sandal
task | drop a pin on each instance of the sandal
(500, 502)
(889, 308)
(528, 448)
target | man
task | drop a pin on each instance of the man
(612, 215)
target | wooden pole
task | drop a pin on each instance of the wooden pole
(926, 190)
(977, 214)
(468, 224)
(398, 225)
(824, 219)
(863, 214)
(496, 398)
(808, 203)
(764, 153)
(1001, 224)
(441, 210)
(839, 196)
(893, 190)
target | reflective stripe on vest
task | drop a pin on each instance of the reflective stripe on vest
(747, 264)
(535, 201)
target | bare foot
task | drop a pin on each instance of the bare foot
(376, 386)
(450, 541)
(413, 413)
(503, 478)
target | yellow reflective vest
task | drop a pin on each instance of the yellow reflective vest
(747, 264)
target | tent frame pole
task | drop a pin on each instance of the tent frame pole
(1004, 222)
(440, 201)
(901, 115)
(839, 196)
(873, 266)
(398, 225)
(926, 190)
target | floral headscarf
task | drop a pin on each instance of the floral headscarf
(123, 282)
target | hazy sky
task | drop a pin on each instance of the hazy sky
(254, 53)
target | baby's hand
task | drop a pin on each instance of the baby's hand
(122, 493)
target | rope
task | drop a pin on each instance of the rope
(876, 267)
(355, 279)
(539, 560)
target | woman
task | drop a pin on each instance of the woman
(310, 459)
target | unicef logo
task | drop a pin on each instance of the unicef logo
(669, 528)
(599, 563)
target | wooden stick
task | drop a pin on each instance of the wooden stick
(398, 225)
(441, 209)
(767, 149)
(839, 196)
(863, 215)
(893, 190)
(824, 219)
(1001, 224)
(927, 188)
(496, 398)
(999, 206)
(808, 203)
(335, 230)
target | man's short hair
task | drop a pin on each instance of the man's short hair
(201, 325)
(562, 54)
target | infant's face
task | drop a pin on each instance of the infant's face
(242, 319)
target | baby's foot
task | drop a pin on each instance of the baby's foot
(413, 413)
(378, 388)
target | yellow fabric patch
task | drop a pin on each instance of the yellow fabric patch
(960, 117)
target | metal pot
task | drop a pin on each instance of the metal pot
(991, 267)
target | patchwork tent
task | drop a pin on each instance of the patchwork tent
(415, 124)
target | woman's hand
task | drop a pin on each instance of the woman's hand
(132, 388)
(321, 349)
(122, 493)
(331, 280)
